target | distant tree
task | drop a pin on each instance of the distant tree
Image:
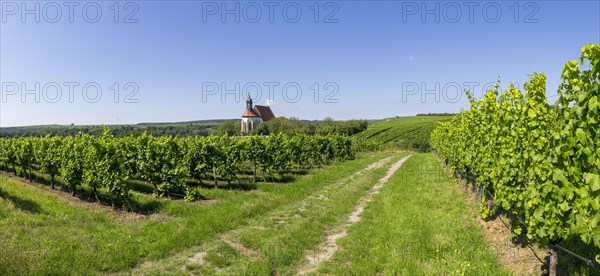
(326, 127)
(296, 126)
(229, 128)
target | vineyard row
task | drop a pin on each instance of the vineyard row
(167, 163)
(541, 161)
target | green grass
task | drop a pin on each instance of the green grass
(278, 240)
(44, 232)
(285, 236)
(418, 225)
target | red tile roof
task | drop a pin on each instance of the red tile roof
(264, 112)
(250, 113)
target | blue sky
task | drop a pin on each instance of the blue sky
(177, 60)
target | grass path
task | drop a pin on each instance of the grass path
(419, 224)
(48, 232)
(277, 241)
(326, 251)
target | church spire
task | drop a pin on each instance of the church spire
(249, 103)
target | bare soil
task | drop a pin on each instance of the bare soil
(519, 259)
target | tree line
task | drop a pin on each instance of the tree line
(294, 126)
(231, 127)
(175, 129)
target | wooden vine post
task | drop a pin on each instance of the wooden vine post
(553, 261)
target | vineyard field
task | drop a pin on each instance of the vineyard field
(300, 138)
(407, 133)
(387, 200)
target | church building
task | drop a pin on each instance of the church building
(253, 116)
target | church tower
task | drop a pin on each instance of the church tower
(250, 118)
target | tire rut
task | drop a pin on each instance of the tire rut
(294, 211)
(281, 216)
(327, 250)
